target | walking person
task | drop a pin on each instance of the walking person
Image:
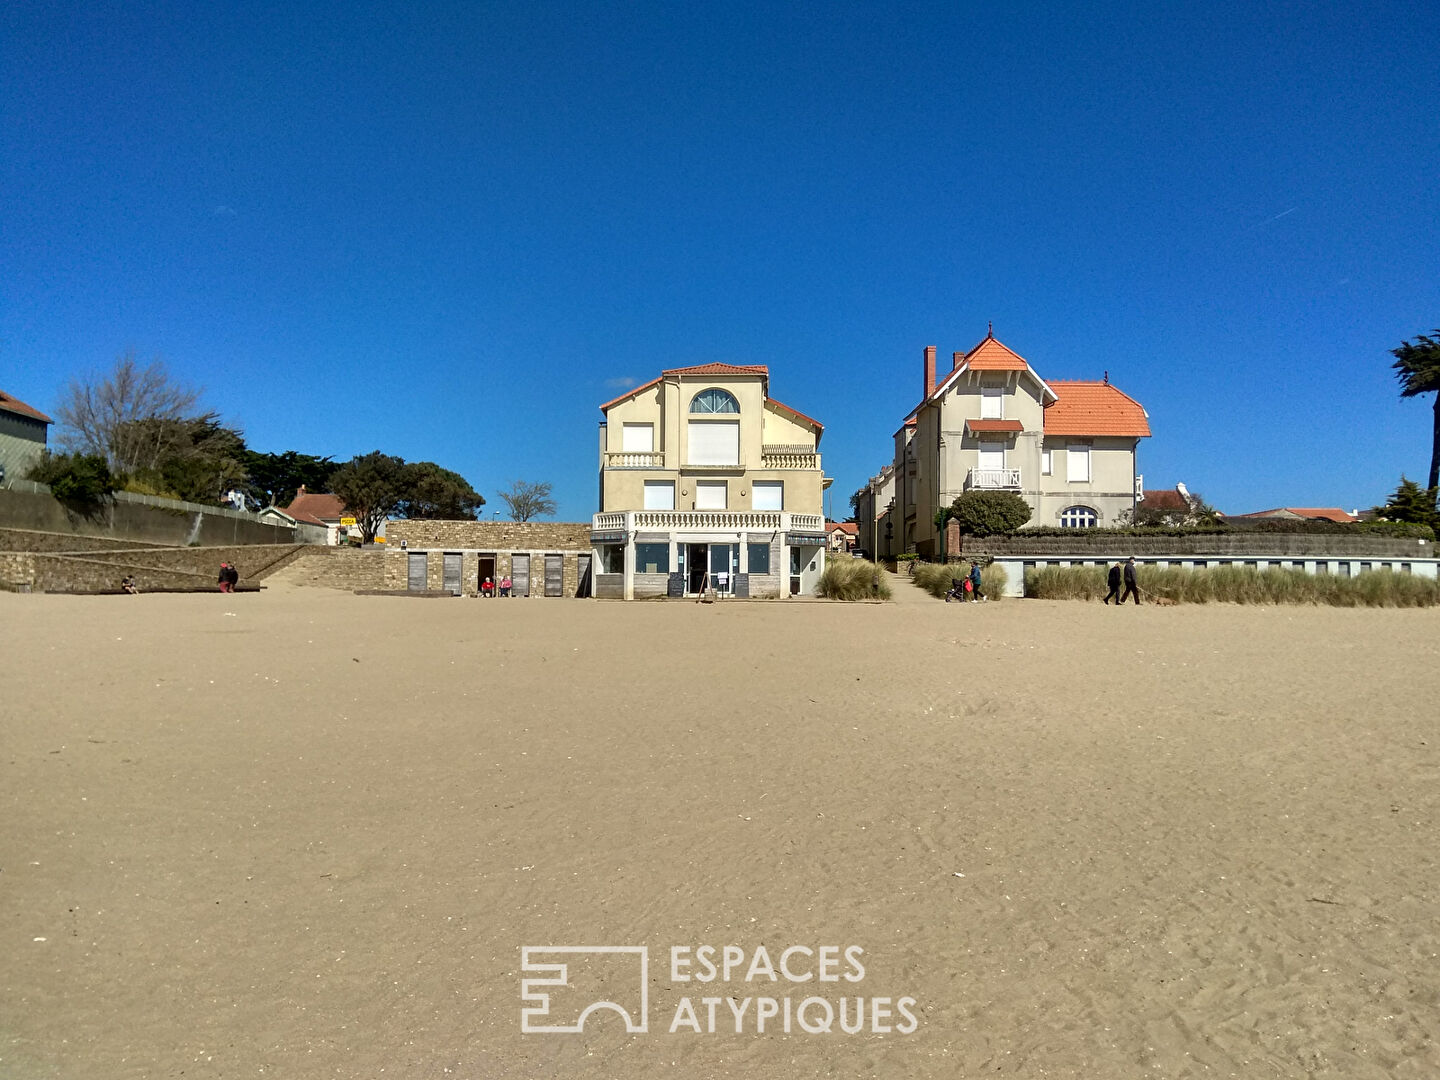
(975, 593)
(1131, 587)
(1113, 580)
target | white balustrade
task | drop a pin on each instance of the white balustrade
(994, 479)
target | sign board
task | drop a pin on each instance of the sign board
(348, 521)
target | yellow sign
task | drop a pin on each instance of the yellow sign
(379, 539)
(347, 521)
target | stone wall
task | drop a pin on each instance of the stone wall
(472, 539)
(1084, 544)
(152, 568)
(339, 568)
(36, 540)
(157, 525)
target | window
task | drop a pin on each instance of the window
(612, 559)
(710, 495)
(1078, 464)
(714, 442)
(1047, 468)
(637, 438)
(768, 495)
(759, 555)
(992, 403)
(714, 400)
(652, 558)
(659, 494)
(1079, 517)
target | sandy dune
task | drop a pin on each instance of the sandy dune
(306, 834)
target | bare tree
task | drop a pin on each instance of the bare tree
(528, 500)
(100, 417)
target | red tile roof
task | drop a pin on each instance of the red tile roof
(630, 393)
(15, 405)
(994, 425)
(850, 527)
(796, 413)
(1094, 408)
(1327, 513)
(720, 369)
(990, 355)
(317, 509)
(1164, 499)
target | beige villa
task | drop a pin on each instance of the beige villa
(1068, 448)
(708, 483)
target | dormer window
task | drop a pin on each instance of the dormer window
(714, 400)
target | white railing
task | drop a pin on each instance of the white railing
(611, 522)
(1139, 486)
(635, 459)
(776, 457)
(707, 520)
(994, 479)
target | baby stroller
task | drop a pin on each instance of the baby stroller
(959, 589)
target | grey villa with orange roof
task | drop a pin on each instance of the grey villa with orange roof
(708, 483)
(991, 423)
(23, 433)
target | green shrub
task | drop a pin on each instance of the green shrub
(988, 513)
(937, 578)
(79, 479)
(1405, 530)
(1242, 585)
(853, 579)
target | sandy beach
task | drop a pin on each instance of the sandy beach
(307, 834)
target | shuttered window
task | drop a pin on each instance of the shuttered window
(714, 442)
(769, 495)
(637, 438)
(710, 495)
(1078, 464)
(659, 494)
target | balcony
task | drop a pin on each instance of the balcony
(635, 459)
(629, 521)
(779, 456)
(993, 480)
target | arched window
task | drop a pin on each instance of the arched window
(714, 400)
(1078, 517)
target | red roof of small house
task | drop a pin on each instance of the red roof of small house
(316, 509)
(1325, 513)
(994, 425)
(721, 369)
(1164, 499)
(850, 528)
(1094, 408)
(15, 405)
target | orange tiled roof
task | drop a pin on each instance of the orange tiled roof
(1327, 513)
(317, 509)
(630, 393)
(1094, 408)
(15, 405)
(720, 369)
(850, 527)
(995, 425)
(1164, 499)
(795, 413)
(990, 355)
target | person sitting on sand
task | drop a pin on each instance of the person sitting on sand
(127, 584)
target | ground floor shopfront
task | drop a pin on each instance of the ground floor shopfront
(644, 554)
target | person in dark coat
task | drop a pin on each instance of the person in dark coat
(1131, 588)
(1113, 580)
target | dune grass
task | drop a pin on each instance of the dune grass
(935, 578)
(1242, 585)
(853, 579)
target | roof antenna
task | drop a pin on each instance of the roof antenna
(1107, 378)
(992, 330)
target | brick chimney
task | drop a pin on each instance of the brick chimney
(929, 372)
(956, 359)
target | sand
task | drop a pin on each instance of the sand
(306, 834)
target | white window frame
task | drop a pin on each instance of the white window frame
(1078, 511)
(711, 487)
(775, 488)
(1076, 456)
(990, 447)
(1047, 462)
(637, 438)
(992, 403)
(659, 494)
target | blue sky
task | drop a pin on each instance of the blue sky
(451, 231)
